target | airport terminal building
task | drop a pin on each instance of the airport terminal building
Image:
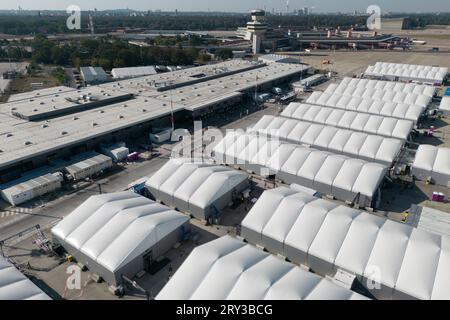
(62, 122)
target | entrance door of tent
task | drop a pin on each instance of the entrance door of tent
(148, 261)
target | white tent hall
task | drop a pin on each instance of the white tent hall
(362, 122)
(16, 286)
(229, 269)
(198, 188)
(388, 95)
(119, 234)
(392, 260)
(432, 162)
(419, 89)
(367, 105)
(407, 72)
(347, 179)
(340, 141)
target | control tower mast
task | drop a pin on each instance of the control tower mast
(257, 28)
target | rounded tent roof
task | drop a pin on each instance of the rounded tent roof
(411, 261)
(113, 229)
(229, 269)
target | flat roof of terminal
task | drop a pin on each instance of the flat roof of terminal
(39, 93)
(62, 102)
(21, 139)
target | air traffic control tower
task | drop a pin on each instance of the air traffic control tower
(257, 28)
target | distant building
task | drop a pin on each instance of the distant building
(93, 75)
(257, 28)
(271, 58)
(132, 72)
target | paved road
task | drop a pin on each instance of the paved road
(52, 212)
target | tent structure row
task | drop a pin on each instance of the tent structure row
(363, 122)
(380, 94)
(419, 89)
(15, 286)
(198, 188)
(392, 260)
(340, 141)
(347, 179)
(407, 72)
(365, 105)
(432, 162)
(444, 107)
(120, 234)
(229, 269)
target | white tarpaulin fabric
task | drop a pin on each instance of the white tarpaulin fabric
(192, 185)
(132, 72)
(434, 162)
(445, 105)
(367, 105)
(113, 229)
(229, 269)
(412, 94)
(363, 122)
(406, 72)
(345, 178)
(418, 89)
(356, 144)
(405, 262)
(15, 286)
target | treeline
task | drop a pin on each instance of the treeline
(422, 20)
(57, 24)
(33, 24)
(109, 53)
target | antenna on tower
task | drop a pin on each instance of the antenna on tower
(287, 7)
(91, 24)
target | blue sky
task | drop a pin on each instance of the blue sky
(235, 5)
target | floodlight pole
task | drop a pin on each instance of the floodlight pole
(171, 109)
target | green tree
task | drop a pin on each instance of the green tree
(203, 58)
(224, 54)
